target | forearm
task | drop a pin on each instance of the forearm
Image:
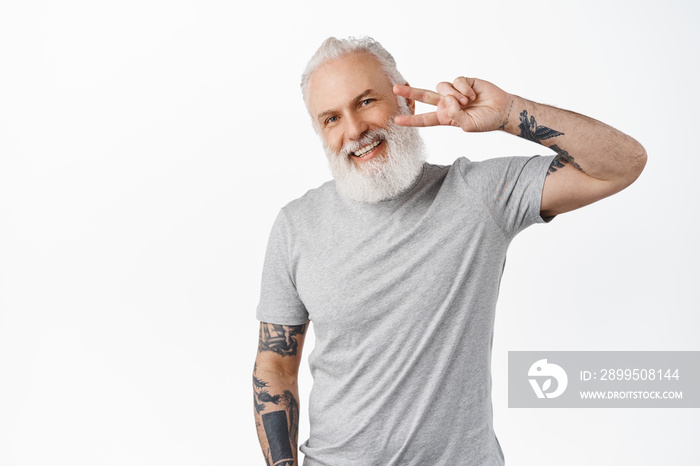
(276, 415)
(589, 145)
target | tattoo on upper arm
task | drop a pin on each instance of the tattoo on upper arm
(280, 338)
(561, 160)
(530, 130)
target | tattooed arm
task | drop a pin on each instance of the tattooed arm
(593, 160)
(275, 391)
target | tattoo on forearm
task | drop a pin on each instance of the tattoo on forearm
(530, 130)
(272, 424)
(281, 426)
(505, 122)
(280, 338)
(277, 432)
(260, 393)
(293, 409)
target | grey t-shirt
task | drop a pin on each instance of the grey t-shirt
(402, 296)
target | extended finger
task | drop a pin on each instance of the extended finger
(413, 93)
(421, 120)
(445, 89)
(464, 85)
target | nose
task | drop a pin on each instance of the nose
(356, 126)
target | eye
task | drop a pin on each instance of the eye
(330, 120)
(367, 101)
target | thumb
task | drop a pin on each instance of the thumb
(454, 112)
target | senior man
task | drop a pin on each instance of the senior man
(397, 262)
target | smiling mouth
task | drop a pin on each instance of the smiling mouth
(368, 148)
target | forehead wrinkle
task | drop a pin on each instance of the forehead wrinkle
(339, 76)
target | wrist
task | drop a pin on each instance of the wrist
(510, 119)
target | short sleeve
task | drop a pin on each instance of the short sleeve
(279, 301)
(510, 187)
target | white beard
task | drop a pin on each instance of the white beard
(383, 177)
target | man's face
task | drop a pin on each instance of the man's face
(349, 97)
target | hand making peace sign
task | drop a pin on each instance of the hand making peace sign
(472, 104)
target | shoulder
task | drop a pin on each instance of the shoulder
(434, 173)
(313, 203)
(496, 164)
(499, 168)
(312, 196)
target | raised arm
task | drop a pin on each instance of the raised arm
(594, 160)
(276, 392)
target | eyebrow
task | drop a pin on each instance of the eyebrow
(355, 101)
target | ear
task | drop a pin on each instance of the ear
(411, 103)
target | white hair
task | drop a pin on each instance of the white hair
(332, 49)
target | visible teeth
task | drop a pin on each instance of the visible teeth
(366, 149)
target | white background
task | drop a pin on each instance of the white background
(146, 147)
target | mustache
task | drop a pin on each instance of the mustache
(369, 137)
